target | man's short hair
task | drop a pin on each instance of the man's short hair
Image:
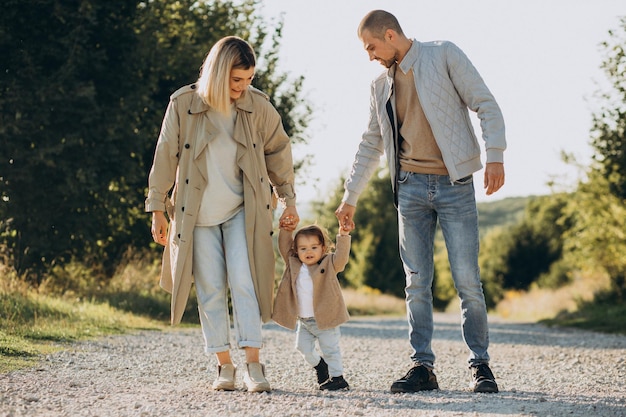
(377, 22)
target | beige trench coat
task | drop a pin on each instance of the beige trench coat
(179, 176)
(329, 307)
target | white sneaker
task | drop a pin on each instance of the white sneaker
(225, 380)
(254, 378)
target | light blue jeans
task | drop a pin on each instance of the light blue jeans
(220, 263)
(422, 200)
(328, 339)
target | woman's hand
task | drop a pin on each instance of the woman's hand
(159, 227)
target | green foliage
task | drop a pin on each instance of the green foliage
(375, 260)
(606, 313)
(537, 241)
(83, 91)
(32, 323)
(444, 290)
(514, 257)
(66, 151)
(596, 240)
(507, 211)
(609, 125)
(578, 234)
(492, 260)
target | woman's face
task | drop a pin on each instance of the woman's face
(310, 249)
(240, 80)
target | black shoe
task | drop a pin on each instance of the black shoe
(482, 379)
(335, 383)
(322, 371)
(419, 378)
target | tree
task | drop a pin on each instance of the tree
(64, 138)
(515, 257)
(84, 91)
(596, 241)
(609, 125)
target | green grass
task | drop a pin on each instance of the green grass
(34, 325)
(500, 213)
(601, 315)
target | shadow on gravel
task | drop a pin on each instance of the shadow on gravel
(535, 335)
(461, 402)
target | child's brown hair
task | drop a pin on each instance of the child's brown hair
(315, 231)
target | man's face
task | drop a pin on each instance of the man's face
(379, 49)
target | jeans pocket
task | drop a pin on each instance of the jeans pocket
(403, 176)
(465, 180)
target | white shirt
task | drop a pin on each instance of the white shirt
(223, 196)
(304, 290)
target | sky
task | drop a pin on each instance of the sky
(540, 59)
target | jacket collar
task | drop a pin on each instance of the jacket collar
(245, 101)
(197, 105)
(407, 63)
(410, 58)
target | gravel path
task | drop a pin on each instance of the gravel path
(540, 371)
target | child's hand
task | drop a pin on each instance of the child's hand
(344, 232)
(288, 223)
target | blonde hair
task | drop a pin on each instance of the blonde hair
(377, 22)
(227, 54)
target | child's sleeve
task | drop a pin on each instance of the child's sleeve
(342, 252)
(285, 240)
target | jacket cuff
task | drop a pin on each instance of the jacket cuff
(155, 202)
(344, 238)
(286, 194)
(495, 155)
(350, 197)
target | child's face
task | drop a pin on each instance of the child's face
(310, 249)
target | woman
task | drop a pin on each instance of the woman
(221, 151)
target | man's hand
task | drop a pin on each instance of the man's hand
(345, 215)
(494, 177)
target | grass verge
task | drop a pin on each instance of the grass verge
(605, 314)
(33, 325)
(585, 303)
(370, 302)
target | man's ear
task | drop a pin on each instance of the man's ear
(390, 35)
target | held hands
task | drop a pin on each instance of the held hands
(494, 177)
(289, 219)
(345, 215)
(159, 228)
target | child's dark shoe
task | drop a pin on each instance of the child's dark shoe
(322, 371)
(335, 383)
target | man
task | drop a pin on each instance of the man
(419, 119)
